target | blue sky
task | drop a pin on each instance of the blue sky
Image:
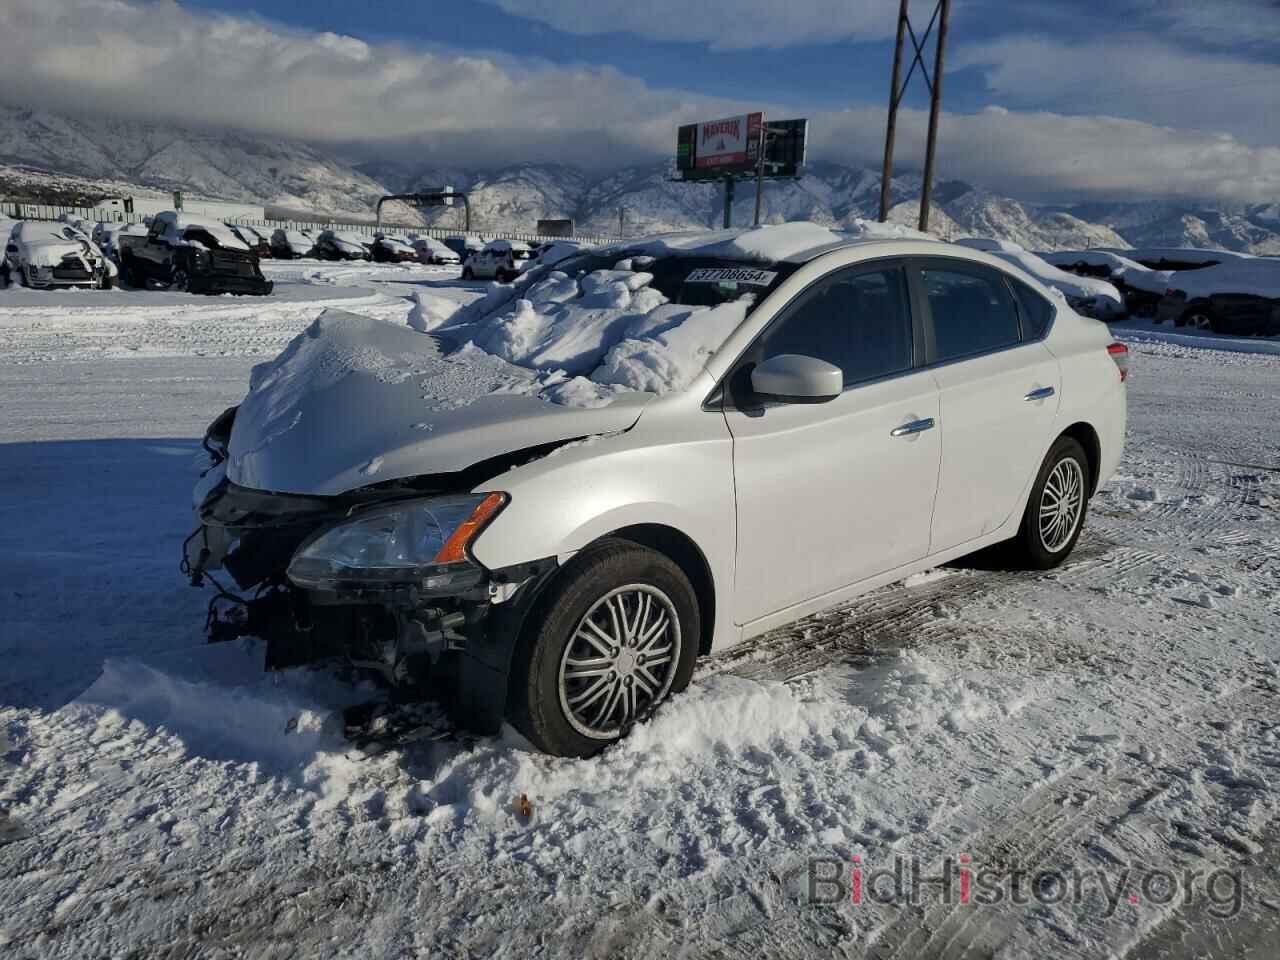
(846, 70)
(1048, 99)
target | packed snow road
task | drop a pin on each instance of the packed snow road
(1102, 743)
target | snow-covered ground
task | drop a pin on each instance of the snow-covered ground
(1099, 724)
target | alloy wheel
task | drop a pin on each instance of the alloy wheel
(1061, 504)
(620, 661)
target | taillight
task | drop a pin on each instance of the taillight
(1120, 354)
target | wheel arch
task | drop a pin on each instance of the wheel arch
(1084, 434)
(680, 548)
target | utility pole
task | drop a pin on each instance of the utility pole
(728, 201)
(891, 129)
(621, 215)
(941, 19)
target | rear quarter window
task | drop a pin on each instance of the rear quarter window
(1036, 310)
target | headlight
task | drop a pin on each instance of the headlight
(416, 542)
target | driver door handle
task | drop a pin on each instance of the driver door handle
(1043, 393)
(914, 427)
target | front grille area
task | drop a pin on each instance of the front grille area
(72, 270)
(233, 265)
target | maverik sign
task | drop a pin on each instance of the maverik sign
(731, 145)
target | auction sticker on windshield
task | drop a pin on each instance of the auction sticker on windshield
(744, 275)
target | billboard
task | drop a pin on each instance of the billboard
(731, 148)
(719, 147)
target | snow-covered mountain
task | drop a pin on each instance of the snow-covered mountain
(61, 156)
(221, 165)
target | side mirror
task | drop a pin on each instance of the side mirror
(791, 378)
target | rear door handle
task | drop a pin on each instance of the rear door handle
(1043, 393)
(915, 426)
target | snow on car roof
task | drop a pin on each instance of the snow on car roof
(215, 228)
(1122, 268)
(1184, 254)
(767, 244)
(1256, 276)
(1066, 283)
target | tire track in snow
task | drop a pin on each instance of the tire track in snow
(1043, 831)
(900, 616)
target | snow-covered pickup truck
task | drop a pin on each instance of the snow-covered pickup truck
(191, 254)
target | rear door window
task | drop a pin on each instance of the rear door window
(972, 311)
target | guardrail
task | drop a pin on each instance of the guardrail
(26, 210)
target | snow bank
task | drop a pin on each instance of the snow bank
(1105, 297)
(1259, 277)
(428, 310)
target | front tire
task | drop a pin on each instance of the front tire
(617, 636)
(1055, 512)
(181, 282)
(468, 273)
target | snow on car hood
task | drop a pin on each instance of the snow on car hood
(354, 401)
(49, 253)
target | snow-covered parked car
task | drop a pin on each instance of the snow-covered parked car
(43, 255)
(189, 253)
(431, 250)
(391, 248)
(341, 245)
(500, 260)
(1240, 296)
(291, 244)
(557, 497)
(1180, 258)
(110, 235)
(464, 246)
(254, 239)
(1086, 295)
(1141, 287)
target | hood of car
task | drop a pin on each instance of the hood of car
(355, 401)
(50, 253)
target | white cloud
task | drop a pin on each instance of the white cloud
(160, 61)
(1141, 77)
(723, 24)
(1050, 154)
(164, 63)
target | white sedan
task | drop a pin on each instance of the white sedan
(563, 494)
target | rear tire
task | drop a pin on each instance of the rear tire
(468, 273)
(1055, 512)
(591, 665)
(1199, 317)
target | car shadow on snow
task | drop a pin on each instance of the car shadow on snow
(90, 541)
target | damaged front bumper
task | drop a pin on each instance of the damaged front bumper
(452, 633)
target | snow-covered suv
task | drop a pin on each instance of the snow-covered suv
(53, 255)
(500, 260)
(557, 498)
